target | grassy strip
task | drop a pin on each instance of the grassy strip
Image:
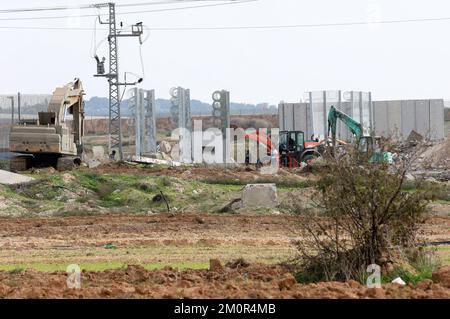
(98, 267)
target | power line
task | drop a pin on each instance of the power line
(226, 2)
(298, 26)
(90, 6)
(261, 27)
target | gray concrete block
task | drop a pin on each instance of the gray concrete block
(423, 117)
(8, 178)
(408, 118)
(260, 195)
(380, 118)
(281, 117)
(300, 120)
(437, 131)
(394, 119)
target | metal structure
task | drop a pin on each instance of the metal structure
(115, 129)
(221, 115)
(143, 107)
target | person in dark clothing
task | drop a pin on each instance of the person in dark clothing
(112, 156)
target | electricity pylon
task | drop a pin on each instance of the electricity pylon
(115, 128)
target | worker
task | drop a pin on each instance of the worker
(112, 156)
(291, 143)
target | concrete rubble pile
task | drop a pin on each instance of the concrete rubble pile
(430, 159)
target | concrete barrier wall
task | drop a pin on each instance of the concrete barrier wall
(394, 119)
(397, 119)
(295, 117)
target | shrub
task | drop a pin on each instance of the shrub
(364, 215)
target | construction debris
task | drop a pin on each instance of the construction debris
(148, 160)
(8, 178)
(399, 281)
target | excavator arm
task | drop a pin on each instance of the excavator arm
(352, 125)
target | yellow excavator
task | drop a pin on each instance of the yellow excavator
(55, 138)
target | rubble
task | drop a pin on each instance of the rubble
(428, 159)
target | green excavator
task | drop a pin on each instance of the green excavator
(365, 143)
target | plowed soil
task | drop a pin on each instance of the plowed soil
(256, 281)
(168, 240)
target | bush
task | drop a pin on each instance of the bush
(365, 218)
(4, 164)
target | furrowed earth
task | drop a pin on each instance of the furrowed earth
(142, 232)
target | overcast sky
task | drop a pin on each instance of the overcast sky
(394, 61)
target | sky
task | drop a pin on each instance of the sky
(393, 61)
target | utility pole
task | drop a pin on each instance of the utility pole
(115, 127)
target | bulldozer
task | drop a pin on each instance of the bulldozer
(55, 138)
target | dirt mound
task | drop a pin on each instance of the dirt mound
(437, 156)
(255, 281)
(442, 276)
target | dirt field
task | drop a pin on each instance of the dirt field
(107, 222)
(103, 246)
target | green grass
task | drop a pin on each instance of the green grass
(4, 164)
(61, 267)
(283, 183)
(409, 277)
(437, 192)
(131, 193)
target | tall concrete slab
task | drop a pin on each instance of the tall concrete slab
(437, 120)
(408, 117)
(394, 119)
(289, 117)
(423, 117)
(149, 124)
(380, 118)
(281, 117)
(300, 120)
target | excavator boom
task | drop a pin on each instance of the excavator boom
(353, 126)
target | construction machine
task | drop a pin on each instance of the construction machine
(293, 148)
(55, 138)
(366, 144)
